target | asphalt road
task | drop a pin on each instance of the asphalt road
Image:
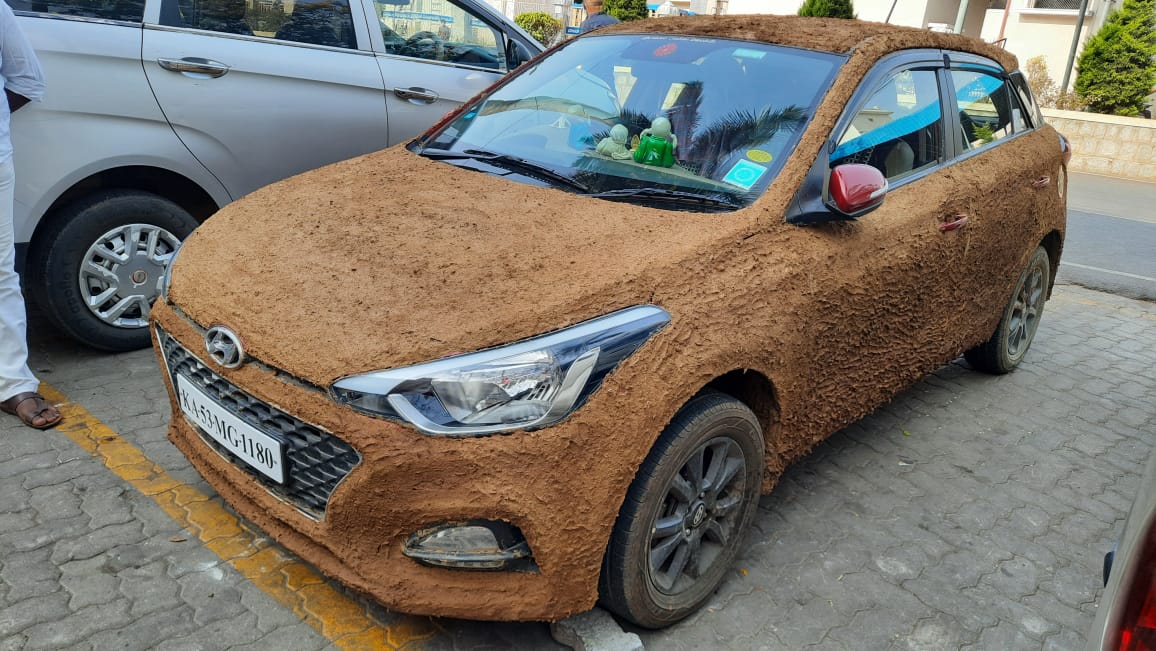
(1111, 238)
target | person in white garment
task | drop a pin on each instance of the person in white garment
(23, 82)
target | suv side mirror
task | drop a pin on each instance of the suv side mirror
(856, 189)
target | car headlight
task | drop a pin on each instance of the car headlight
(525, 385)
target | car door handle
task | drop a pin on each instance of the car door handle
(1042, 182)
(195, 65)
(959, 222)
(417, 94)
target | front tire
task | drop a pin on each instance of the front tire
(102, 262)
(1021, 317)
(686, 513)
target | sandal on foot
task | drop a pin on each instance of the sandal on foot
(31, 407)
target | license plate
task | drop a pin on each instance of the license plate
(261, 451)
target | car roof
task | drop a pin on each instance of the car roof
(835, 35)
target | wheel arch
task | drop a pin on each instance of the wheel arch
(1053, 243)
(755, 390)
(162, 182)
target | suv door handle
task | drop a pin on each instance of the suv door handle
(194, 65)
(418, 94)
(1042, 182)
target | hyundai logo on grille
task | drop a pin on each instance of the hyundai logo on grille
(224, 347)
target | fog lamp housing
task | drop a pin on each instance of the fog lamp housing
(473, 545)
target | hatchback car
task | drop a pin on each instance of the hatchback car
(158, 112)
(555, 349)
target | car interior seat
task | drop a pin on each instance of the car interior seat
(900, 159)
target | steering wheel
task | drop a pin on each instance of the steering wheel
(425, 45)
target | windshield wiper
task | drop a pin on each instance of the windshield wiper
(672, 196)
(506, 161)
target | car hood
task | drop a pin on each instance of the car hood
(391, 259)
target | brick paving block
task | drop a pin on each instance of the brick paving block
(298, 637)
(1047, 606)
(879, 630)
(107, 506)
(1015, 578)
(213, 594)
(15, 617)
(222, 634)
(20, 466)
(800, 625)
(97, 542)
(146, 632)
(69, 631)
(270, 614)
(936, 633)
(1066, 640)
(88, 582)
(42, 535)
(149, 588)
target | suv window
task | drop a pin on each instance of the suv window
(986, 110)
(899, 129)
(445, 32)
(125, 10)
(319, 22)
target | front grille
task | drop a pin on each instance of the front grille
(315, 460)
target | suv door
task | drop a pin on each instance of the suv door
(436, 54)
(262, 90)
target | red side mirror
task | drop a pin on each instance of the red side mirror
(857, 188)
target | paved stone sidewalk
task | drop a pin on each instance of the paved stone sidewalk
(972, 512)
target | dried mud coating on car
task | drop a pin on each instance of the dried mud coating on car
(391, 259)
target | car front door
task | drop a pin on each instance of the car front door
(894, 273)
(263, 89)
(434, 55)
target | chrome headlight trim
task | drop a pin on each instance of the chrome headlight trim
(586, 353)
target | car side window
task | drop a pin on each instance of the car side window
(124, 10)
(440, 31)
(987, 112)
(318, 22)
(1020, 84)
(899, 129)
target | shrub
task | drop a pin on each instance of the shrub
(625, 10)
(1116, 68)
(828, 8)
(1046, 90)
(541, 25)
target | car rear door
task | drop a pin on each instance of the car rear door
(1012, 167)
(436, 54)
(262, 90)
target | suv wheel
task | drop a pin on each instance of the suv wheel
(103, 263)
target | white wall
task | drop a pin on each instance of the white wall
(1035, 32)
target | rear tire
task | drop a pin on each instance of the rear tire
(101, 264)
(686, 513)
(1021, 317)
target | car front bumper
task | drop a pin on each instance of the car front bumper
(549, 484)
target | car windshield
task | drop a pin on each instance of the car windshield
(679, 122)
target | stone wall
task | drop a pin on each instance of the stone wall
(1108, 144)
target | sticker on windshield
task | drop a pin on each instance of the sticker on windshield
(745, 174)
(744, 53)
(664, 50)
(759, 156)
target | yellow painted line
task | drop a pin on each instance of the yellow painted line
(292, 583)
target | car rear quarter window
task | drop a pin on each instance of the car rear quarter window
(987, 112)
(899, 129)
(316, 22)
(121, 10)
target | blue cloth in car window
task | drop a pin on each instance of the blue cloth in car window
(983, 85)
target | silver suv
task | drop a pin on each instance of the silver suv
(159, 112)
